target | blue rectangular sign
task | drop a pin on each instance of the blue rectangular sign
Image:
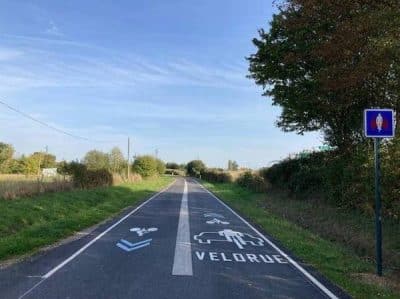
(379, 123)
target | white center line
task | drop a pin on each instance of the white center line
(183, 249)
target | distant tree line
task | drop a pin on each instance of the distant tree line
(31, 164)
(94, 160)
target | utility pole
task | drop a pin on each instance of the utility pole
(129, 157)
(156, 153)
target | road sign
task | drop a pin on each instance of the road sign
(379, 123)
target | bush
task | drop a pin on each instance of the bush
(195, 168)
(160, 167)
(97, 178)
(85, 178)
(172, 165)
(175, 172)
(301, 175)
(146, 166)
(345, 180)
(252, 181)
(95, 160)
(216, 176)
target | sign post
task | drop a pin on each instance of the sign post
(378, 124)
(378, 217)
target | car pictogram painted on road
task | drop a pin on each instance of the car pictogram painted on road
(228, 235)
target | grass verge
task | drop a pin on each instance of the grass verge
(28, 224)
(335, 261)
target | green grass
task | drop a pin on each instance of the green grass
(334, 260)
(28, 224)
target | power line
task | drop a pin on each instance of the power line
(45, 124)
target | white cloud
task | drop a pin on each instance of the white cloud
(48, 64)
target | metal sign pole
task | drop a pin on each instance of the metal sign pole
(378, 218)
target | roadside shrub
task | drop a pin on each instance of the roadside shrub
(146, 166)
(85, 178)
(95, 160)
(216, 176)
(160, 167)
(172, 165)
(97, 178)
(195, 168)
(175, 172)
(344, 179)
(252, 181)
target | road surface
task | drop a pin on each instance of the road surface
(181, 243)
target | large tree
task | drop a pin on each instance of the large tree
(324, 61)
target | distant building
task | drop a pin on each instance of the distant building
(49, 172)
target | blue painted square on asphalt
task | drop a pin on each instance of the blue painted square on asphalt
(379, 123)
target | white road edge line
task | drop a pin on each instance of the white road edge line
(31, 289)
(58, 267)
(293, 262)
(55, 269)
(183, 249)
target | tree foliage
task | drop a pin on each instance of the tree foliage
(324, 61)
(233, 165)
(148, 166)
(116, 160)
(6, 155)
(195, 167)
(45, 160)
(160, 167)
(95, 160)
(172, 165)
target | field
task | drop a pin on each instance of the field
(18, 185)
(336, 243)
(27, 224)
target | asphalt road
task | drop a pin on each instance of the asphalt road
(181, 243)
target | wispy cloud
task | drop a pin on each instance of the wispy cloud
(93, 67)
(53, 30)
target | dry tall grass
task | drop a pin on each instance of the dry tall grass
(119, 179)
(17, 185)
(236, 174)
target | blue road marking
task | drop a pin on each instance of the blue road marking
(128, 246)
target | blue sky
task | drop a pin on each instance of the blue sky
(169, 74)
